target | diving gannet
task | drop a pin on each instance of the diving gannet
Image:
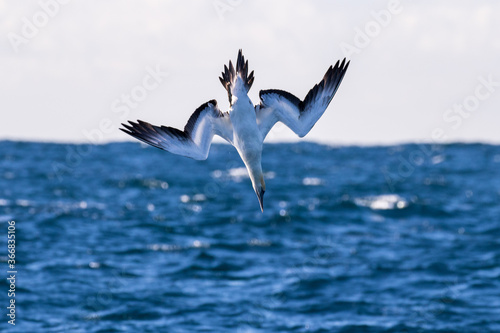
(245, 126)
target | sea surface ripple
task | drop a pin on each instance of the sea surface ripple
(123, 238)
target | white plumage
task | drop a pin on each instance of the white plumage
(245, 126)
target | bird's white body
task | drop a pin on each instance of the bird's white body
(247, 138)
(245, 126)
(246, 134)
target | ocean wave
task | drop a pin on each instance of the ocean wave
(187, 240)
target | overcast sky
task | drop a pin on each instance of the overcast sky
(72, 71)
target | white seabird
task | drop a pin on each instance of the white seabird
(245, 126)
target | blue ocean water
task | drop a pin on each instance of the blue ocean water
(123, 238)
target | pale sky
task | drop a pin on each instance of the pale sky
(74, 70)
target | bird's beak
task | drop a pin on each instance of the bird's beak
(260, 195)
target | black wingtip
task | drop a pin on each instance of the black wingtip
(128, 128)
(125, 131)
(345, 64)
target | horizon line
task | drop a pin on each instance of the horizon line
(324, 143)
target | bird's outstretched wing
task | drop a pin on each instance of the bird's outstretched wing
(194, 141)
(299, 116)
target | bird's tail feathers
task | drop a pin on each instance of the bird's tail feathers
(230, 74)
